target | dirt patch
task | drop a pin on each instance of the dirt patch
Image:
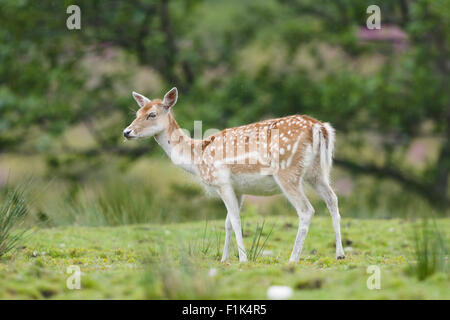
(309, 284)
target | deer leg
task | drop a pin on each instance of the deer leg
(232, 204)
(322, 186)
(305, 211)
(228, 232)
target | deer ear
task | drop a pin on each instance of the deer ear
(140, 99)
(170, 98)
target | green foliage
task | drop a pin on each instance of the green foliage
(430, 251)
(13, 211)
(116, 203)
(211, 241)
(114, 198)
(234, 62)
(257, 248)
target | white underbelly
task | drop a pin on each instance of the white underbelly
(255, 184)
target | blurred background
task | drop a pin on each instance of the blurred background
(65, 97)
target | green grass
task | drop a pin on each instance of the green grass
(175, 261)
(13, 211)
(430, 251)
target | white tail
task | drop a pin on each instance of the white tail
(323, 146)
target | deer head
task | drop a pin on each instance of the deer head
(152, 117)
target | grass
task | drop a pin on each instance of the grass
(257, 247)
(430, 251)
(156, 261)
(13, 211)
(111, 197)
(210, 240)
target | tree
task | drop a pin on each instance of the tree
(235, 62)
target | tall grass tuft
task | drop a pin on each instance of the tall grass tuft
(210, 242)
(430, 251)
(13, 211)
(258, 245)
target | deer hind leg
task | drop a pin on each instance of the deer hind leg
(293, 190)
(322, 186)
(232, 204)
(228, 233)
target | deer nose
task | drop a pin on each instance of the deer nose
(126, 133)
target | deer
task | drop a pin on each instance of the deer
(264, 158)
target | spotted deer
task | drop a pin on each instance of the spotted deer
(264, 158)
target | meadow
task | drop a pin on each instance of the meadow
(160, 237)
(182, 261)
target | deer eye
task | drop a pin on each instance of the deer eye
(151, 115)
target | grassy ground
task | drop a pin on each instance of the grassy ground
(182, 261)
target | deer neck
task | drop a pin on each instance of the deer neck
(177, 145)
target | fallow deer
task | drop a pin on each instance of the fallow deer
(264, 158)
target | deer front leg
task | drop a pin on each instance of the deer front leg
(228, 232)
(231, 203)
